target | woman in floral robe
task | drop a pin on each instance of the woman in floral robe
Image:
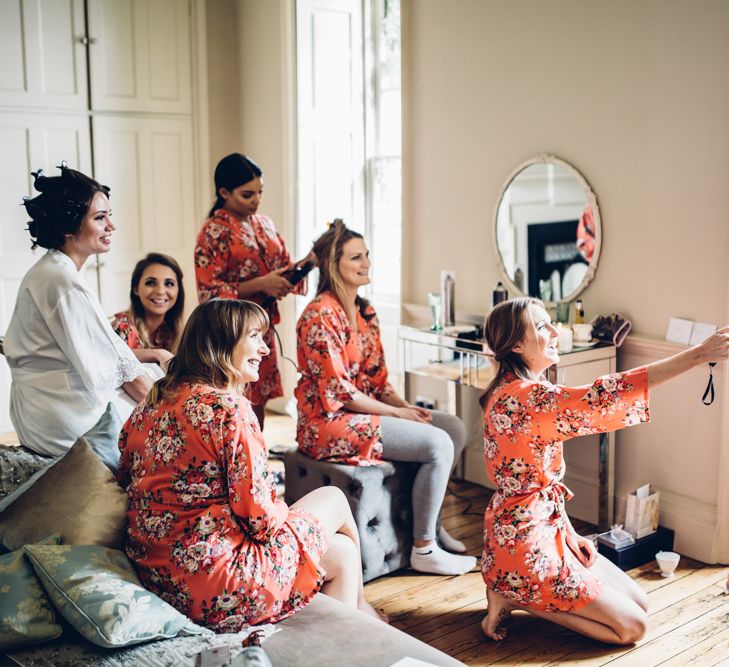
(533, 558)
(205, 529)
(240, 255)
(349, 413)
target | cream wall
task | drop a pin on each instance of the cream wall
(635, 95)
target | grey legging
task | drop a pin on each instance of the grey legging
(436, 446)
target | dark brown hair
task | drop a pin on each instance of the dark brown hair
(231, 172)
(60, 208)
(173, 317)
(328, 249)
(505, 326)
(205, 351)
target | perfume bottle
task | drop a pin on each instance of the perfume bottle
(448, 297)
(499, 294)
(579, 312)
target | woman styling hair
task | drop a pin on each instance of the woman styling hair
(239, 254)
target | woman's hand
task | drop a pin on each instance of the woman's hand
(274, 284)
(414, 413)
(583, 548)
(715, 347)
(163, 357)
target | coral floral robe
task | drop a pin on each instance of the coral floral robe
(336, 364)
(230, 251)
(124, 327)
(205, 530)
(525, 557)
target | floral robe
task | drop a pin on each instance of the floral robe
(525, 557)
(230, 251)
(124, 327)
(204, 527)
(335, 364)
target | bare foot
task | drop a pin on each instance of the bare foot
(379, 614)
(498, 609)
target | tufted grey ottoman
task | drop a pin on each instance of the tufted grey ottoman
(380, 498)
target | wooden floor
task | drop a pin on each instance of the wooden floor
(689, 614)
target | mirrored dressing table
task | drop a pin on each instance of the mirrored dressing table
(448, 373)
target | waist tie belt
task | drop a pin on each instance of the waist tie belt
(557, 492)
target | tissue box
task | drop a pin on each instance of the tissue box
(641, 514)
(641, 551)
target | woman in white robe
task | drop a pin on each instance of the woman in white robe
(66, 361)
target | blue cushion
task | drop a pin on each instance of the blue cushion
(97, 591)
(26, 614)
(103, 437)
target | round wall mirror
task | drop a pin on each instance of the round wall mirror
(547, 230)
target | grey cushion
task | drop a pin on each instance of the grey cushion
(380, 498)
(306, 639)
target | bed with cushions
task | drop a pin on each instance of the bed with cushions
(69, 595)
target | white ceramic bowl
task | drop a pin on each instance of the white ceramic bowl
(667, 562)
(583, 332)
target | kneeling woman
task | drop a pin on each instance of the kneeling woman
(533, 558)
(205, 529)
(349, 413)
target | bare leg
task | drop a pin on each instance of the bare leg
(613, 576)
(342, 562)
(613, 617)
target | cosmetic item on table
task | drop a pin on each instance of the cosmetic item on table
(448, 298)
(499, 294)
(434, 301)
(579, 312)
(564, 340)
(563, 311)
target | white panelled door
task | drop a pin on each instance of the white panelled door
(139, 55)
(43, 54)
(148, 163)
(29, 141)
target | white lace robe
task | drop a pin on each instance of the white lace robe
(65, 359)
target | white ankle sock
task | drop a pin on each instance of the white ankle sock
(434, 560)
(450, 543)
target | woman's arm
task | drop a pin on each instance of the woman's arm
(715, 348)
(156, 355)
(272, 284)
(139, 387)
(401, 409)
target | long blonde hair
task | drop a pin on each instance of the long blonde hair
(205, 351)
(328, 249)
(506, 325)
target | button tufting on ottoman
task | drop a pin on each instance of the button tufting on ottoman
(380, 499)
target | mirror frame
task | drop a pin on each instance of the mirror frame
(591, 199)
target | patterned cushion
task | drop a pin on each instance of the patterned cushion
(77, 497)
(97, 591)
(17, 465)
(26, 614)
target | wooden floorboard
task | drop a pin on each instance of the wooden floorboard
(688, 615)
